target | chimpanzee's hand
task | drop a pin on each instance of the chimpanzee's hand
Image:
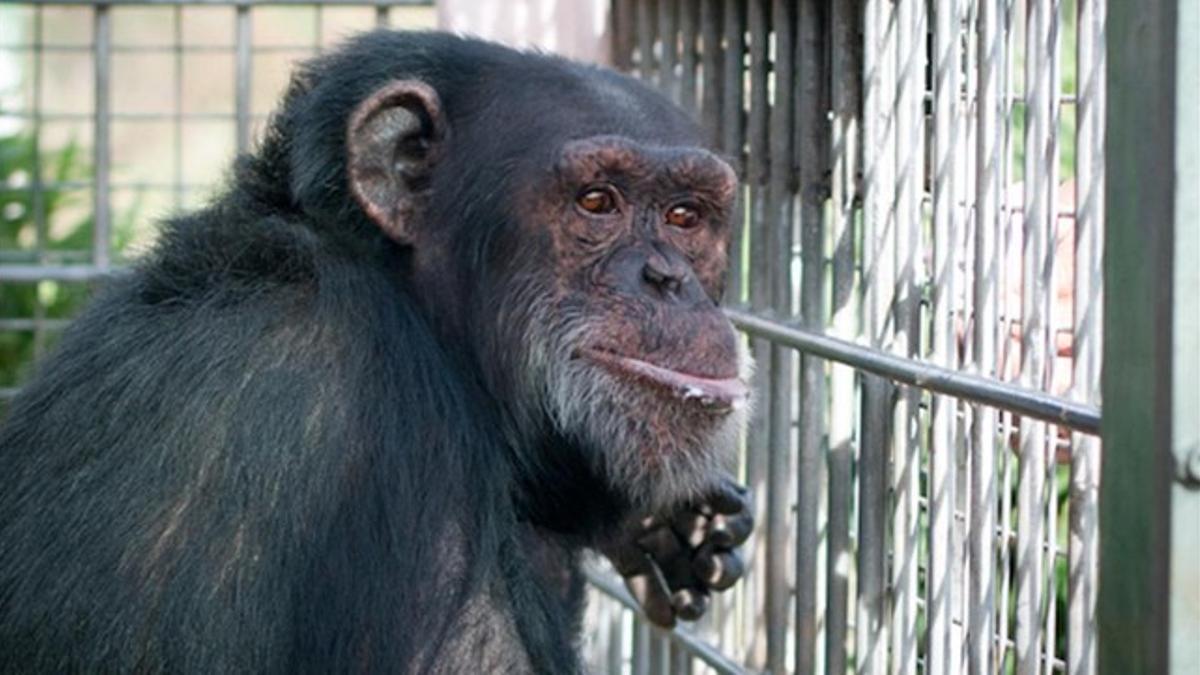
(672, 561)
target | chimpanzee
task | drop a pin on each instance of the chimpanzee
(454, 322)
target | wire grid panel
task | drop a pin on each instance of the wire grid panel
(115, 114)
(917, 271)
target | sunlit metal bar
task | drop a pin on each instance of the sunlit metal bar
(1083, 566)
(846, 99)
(871, 626)
(1035, 404)
(101, 211)
(1036, 255)
(989, 114)
(644, 25)
(905, 479)
(243, 66)
(942, 573)
(732, 132)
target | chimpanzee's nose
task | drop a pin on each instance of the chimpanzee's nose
(664, 274)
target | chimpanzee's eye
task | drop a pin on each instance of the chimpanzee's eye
(599, 201)
(683, 215)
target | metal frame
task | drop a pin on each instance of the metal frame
(909, 391)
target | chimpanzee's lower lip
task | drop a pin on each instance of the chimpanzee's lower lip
(714, 394)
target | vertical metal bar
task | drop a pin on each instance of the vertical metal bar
(1050, 159)
(660, 653)
(668, 40)
(1139, 211)
(177, 127)
(846, 99)
(909, 132)
(811, 126)
(1083, 565)
(942, 573)
(1184, 585)
(382, 14)
(243, 64)
(1038, 252)
(681, 662)
(759, 290)
(687, 55)
(733, 134)
(989, 113)
(871, 606)
(616, 638)
(37, 196)
(101, 213)
(710, 64)
(779, 220)
(622, 37)
(642, 639)
(645, 41)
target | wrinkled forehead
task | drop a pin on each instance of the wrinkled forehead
(595, 157)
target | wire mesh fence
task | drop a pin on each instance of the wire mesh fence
(919, 279)
(114, 114)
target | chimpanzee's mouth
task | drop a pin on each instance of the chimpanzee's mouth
(718, 395)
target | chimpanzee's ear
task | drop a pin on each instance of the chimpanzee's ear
(395, 138)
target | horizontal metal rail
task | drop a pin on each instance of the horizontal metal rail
(32, 273)
(692, 644)
(1035, 404)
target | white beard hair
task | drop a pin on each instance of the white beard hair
(588, 404)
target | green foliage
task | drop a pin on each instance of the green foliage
(21, 209)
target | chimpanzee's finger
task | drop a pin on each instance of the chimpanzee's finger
(653, 595)
(730, 498)
(691, 526)
(718, 569)
(661, 544)
(690, 603)
(729, 531)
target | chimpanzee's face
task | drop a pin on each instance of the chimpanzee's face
(628, 349)
(597, 316)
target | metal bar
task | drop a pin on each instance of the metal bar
(645, 41)
(846, 99)
(1083, 564)
(687, 55)
(989, 111)
(732, 132)
(622, 34)
(871, 604)
(1136, 490)
(811, 116)
(758, 296)
(101, 214)
(710, 66)
(177, 113)
(917, 373)
(779, 374)
(942, 573)
(668, 41)
(905, 480)
(30, 273)
(383, 17)
(1038, 250)
(694, 646)
(243, 65)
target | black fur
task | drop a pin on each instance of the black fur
(264, 450)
